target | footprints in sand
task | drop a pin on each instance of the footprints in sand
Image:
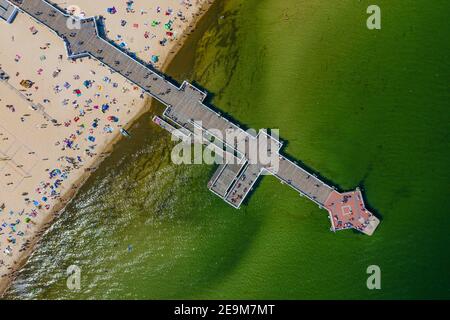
(16, 161)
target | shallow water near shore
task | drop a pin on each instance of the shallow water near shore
(363, 108)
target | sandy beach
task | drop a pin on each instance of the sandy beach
(59, 118)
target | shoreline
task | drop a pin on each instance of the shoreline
(71, 192)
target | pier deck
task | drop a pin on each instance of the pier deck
(186, 112)
(303, 181)
(7, 11)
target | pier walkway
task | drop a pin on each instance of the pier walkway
(7, 11)
(185, 113)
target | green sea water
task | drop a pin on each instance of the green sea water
(362, 108)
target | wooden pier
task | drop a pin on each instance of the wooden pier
(186, 112)
(7, 11)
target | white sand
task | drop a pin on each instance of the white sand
(32, 147)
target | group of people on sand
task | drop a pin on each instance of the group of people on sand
(167, 18)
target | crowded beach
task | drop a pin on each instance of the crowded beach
(59, 117)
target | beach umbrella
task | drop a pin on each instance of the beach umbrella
(168, 25)
(91, 138)
(105, 107)
(87, 83)
(113, 119)
(155, 58)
